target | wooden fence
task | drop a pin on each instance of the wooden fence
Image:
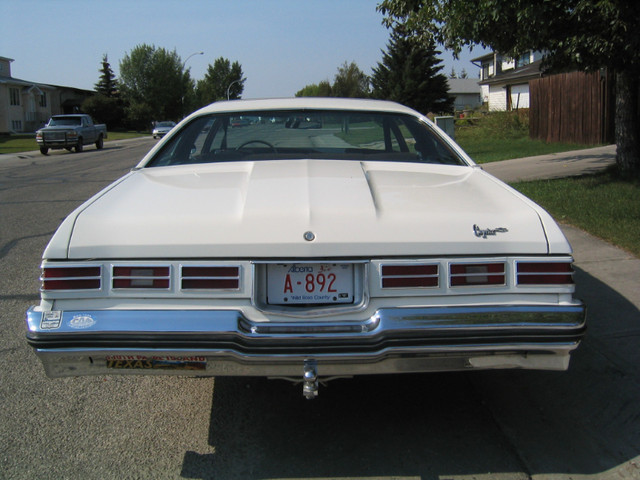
(572, 107)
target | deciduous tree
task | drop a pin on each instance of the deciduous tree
(222, 78)
(154, 85)
(350, 81)
(579, 34)
(322, 89)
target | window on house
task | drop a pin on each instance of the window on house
(43, 99)
(16, 125)
(15, 96)
(524, 59)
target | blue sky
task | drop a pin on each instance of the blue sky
(282, 45)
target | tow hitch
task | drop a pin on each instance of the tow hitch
(310, 380)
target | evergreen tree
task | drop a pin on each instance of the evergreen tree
(106, 106)
(410, 74)
(107, 85)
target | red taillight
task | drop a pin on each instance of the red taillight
(544, 273)
(71, 278)
(141, 277)
(477, 274)
(409, 276)
(210, 278)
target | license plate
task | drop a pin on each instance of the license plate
(309, 283)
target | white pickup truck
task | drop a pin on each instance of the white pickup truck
(70, 132)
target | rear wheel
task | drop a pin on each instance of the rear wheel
(44, 150)
(79, 146)
(99, 142)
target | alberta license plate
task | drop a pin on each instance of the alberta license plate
(309, 283)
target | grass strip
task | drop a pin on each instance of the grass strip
(503, 136)
(603, 205)
(27, 143)
(487, 149)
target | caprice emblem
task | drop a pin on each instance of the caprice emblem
(486, 232)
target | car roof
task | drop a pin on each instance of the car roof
(307, 103)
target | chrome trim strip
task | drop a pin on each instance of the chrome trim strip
(385, 322)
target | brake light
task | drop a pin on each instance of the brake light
(210, 278)
(141, 277)
(409, 276)
(71, 278)
(477, 274)
(545, 273)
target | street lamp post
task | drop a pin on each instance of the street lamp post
(232, 83)
(183, 64)
(192, 55)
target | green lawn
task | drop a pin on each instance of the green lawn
(487, 149)
(27, 143)
(503, 136)
(603, 205)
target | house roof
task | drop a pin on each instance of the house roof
(519, 75)
(47, 86)
(24, 83)
(459, 86)
(487, 56)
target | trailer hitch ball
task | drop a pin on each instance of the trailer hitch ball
(310, 380)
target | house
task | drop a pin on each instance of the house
(505, 81)
(466, 93)
(25, 105)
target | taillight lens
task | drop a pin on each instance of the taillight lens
(210, 278)
(545, 273)
(477, 274)
(409, 276)
(71, 278)
(141, 277)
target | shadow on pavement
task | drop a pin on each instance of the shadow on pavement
(431, 426)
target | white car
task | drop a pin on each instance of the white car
(162, 128)
(328, 238)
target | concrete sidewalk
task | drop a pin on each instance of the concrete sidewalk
(555, 165)
(611, 265)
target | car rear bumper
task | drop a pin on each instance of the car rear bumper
(224, 342)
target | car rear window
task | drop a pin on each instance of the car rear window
(304, 134)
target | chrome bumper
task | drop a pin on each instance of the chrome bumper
(224, 342)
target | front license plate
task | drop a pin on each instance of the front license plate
(309, 283)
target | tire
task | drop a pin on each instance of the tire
(79, 146)
(44, 150)
(99, 143)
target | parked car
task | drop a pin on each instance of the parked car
(71, 132)
(162, 128)
(369, 244)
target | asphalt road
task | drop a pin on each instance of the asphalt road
(584, 423)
